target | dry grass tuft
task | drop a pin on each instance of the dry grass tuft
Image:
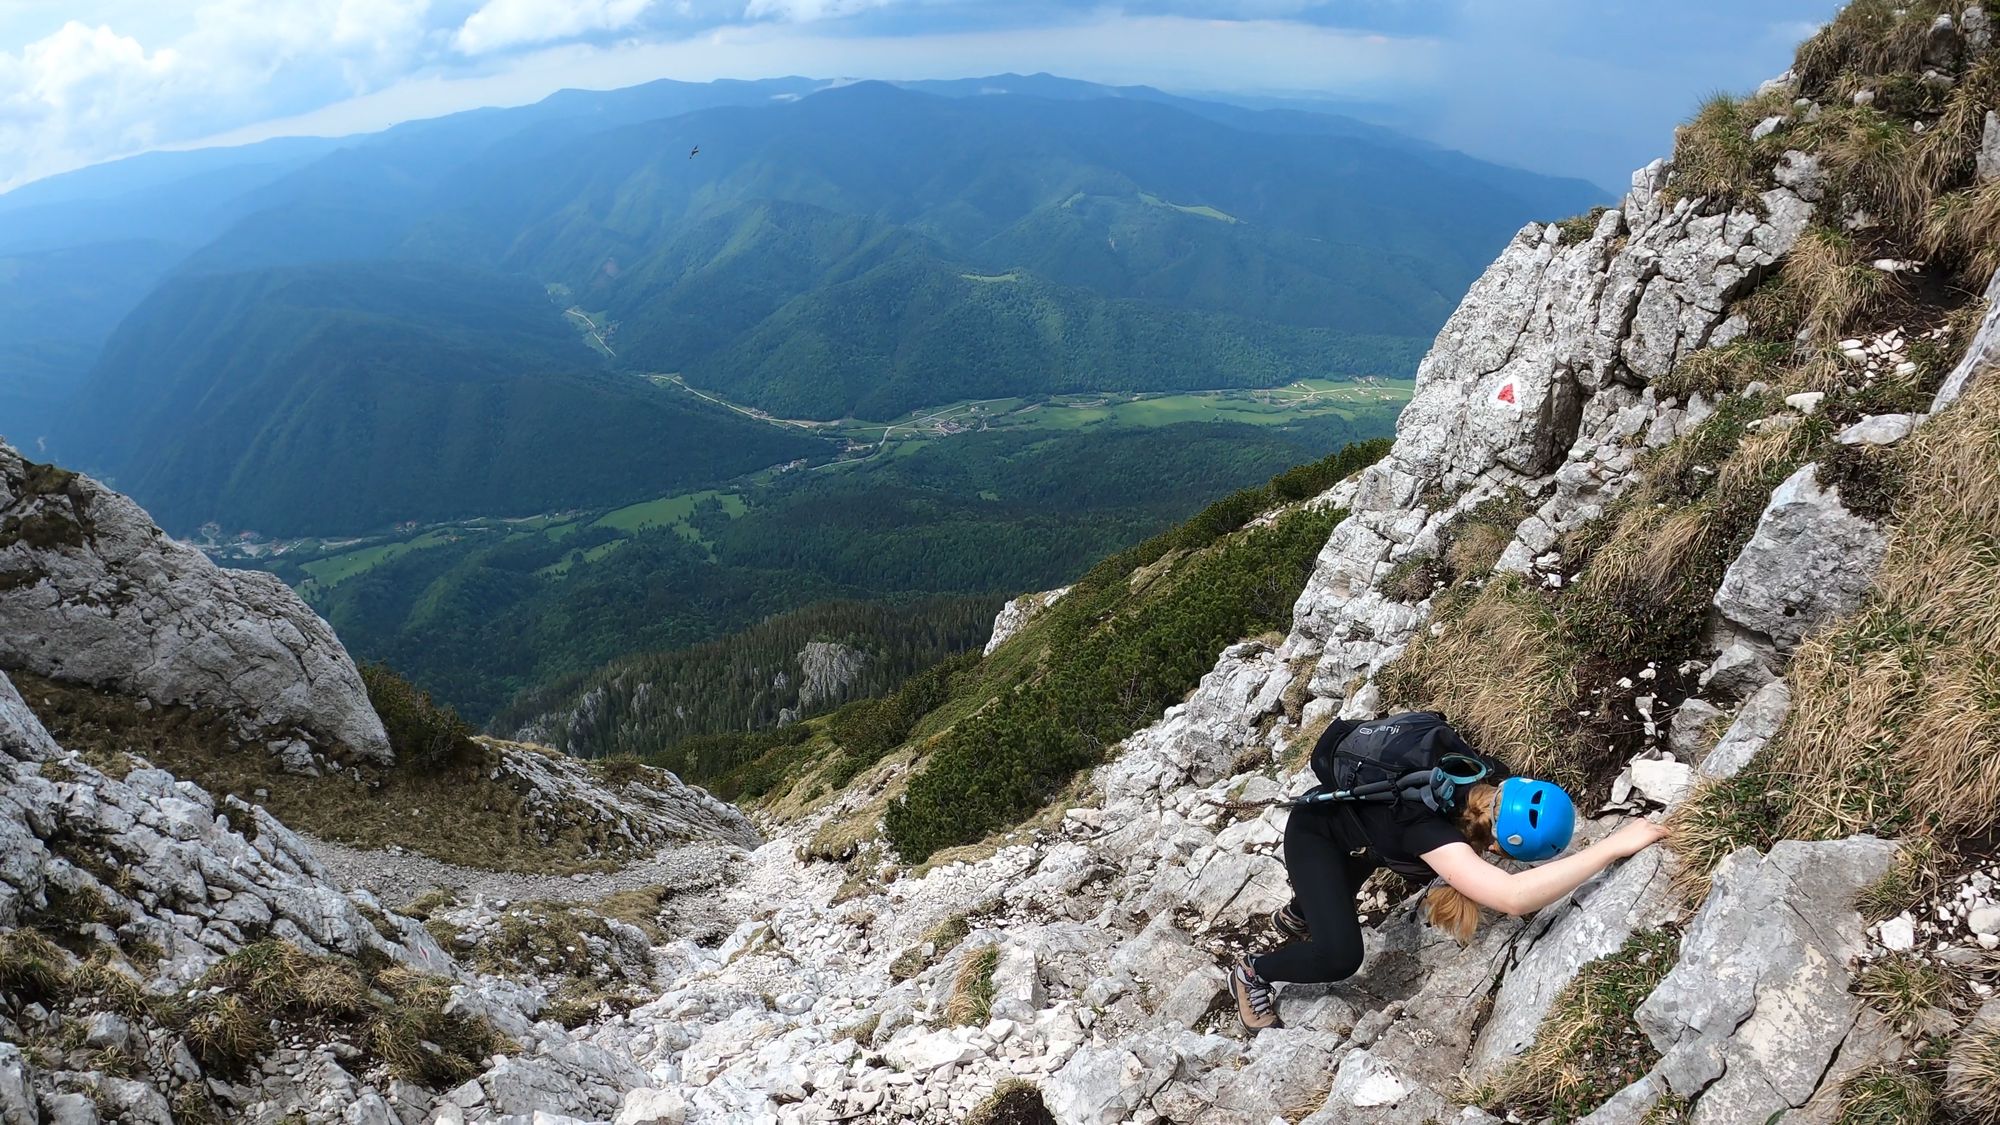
(32, 967)
(1717, 819)
(1895, 721)
(1714, 157)
(1883, 1095)
(1014, 1101)
(396, 1013)
(1964, 226)
(226, 1033)
(971, 1003)
(1831, 283)
(1477, 547)
(1915, 996)
(1711, 372)
(1867, 37)
(1588, 1047)
(1499, 668)
(1974, 1088)
(1915, 876)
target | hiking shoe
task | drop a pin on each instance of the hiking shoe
(1254, 1002)
(1286, 921)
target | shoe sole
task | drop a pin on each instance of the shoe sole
(1298, 934)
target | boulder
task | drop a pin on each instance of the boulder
(1879, 429)
(1757, 1007)
(1810, 560)
(652, 1107)
(1760, 718)
(92, 592)
(1098, 1086)
(1688, 733)
(1743, 666)
(1662, 781)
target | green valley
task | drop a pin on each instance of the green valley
(481, 610)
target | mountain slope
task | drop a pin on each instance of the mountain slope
(332, 399)
(1102, 199)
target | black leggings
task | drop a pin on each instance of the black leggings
(1325, 881)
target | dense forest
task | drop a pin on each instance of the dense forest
(344, 399)
(480, 615)
(917, 331)
(648, 704)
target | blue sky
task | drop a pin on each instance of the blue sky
(1589, 88)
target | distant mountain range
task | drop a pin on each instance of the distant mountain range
(329, 336)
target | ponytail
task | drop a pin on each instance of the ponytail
(1449, 910)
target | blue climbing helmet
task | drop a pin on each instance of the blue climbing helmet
(1533, 820)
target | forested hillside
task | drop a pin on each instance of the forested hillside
(481, 612)
(343, 399)
(796, 665)
(997, 737)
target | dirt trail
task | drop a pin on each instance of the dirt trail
(397, 877)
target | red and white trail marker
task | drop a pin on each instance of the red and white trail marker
(1507, 394)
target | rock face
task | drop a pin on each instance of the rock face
(1019, 612)
(92, 592)
(196, 875)
(1538, 384)
(654, 809)
(1810, 560)
(1758, 1008)
(825, 670)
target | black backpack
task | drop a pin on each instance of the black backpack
(1415, 757)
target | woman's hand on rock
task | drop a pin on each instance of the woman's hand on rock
(1637, 836)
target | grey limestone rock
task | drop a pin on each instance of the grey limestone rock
(1757, 1008)
(1018, 612)
(1760, 718)
(1879, 429)
(95, 594)
(825, 670)
(1984, 350)
(1688, 733)
(1594, 921)
(1809, 561)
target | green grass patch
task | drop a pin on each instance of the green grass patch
(335, 569)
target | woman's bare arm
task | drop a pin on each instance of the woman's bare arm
(1524, 892)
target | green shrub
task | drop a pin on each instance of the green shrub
(870, 728)
(424, 735)
(1105, 678)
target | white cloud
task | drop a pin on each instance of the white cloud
(1171, 51)
(85, 93)
(805, 11)
(501, 24)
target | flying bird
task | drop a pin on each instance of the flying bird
(693, 152)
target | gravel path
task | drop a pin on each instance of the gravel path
(397, 877)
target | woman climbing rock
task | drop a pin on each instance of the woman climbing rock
(1408, 794)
